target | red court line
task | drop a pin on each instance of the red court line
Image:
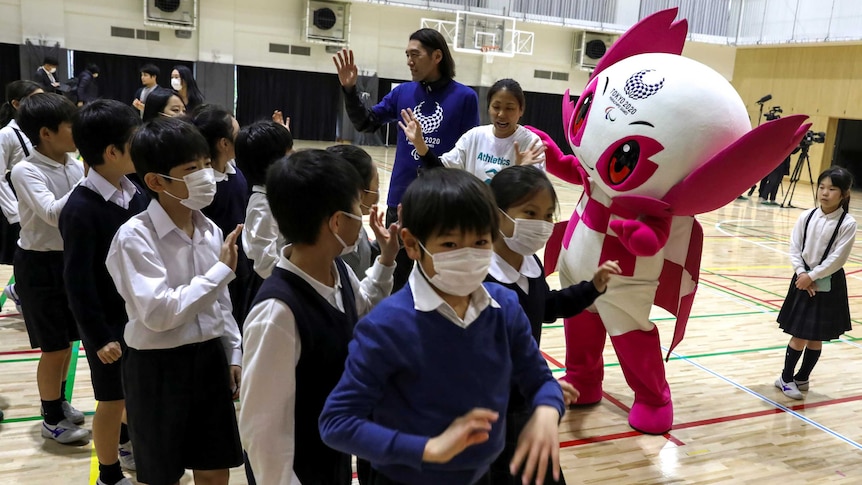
(552, 360)
(765, 302)
(18, 352)
(706, 422)
(8, 315)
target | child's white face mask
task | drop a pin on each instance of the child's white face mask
(459, 272)
(201, 186)
(529, 236)
(349, 248)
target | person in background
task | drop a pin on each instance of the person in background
(87, 89)
(183, 82)
(46, 75)
(163, 102)
(150, 82)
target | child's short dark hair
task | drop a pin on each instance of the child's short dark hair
(516, 184)
(306, 188)
(46, 110)
(50, 61)
(151, 69)
(258, 146)
(359, 158)
(214, 123)
(165, 143)
(102, 123)
(446, 199)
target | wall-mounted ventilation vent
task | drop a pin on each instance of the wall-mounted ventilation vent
(556, 76)
(135, 33)
(175, 14)
(327, 21)
(590, 47)
(298, 50)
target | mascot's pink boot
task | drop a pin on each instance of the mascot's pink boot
(585, 342)
(641, 360)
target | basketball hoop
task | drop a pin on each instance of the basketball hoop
(489, 51)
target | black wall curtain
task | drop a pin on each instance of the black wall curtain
(10, 65)
(545, 112)
(312, 100)
(120, 77)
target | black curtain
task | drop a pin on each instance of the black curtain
(10, 65)
(312, 100)
(545, 112)
(119, 75)
(384, 85)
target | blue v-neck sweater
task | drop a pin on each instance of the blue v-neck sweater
(409, 374)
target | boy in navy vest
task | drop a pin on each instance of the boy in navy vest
(181, 370)
(96, 209)
(426, 383)
(298, 329)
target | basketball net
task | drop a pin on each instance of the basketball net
(488, 51)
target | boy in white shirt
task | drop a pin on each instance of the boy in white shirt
(181, 371)
(44, 182)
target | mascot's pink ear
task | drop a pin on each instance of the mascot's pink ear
(736, 168)
(657, 33)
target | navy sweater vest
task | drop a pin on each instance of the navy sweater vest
(324, 333)
(88, 223)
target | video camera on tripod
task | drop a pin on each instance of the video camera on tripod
(773, 113)
(812, 137)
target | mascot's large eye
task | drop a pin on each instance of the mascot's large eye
(581, 115)
(623, 161)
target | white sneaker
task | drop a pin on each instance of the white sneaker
(124, 481)
(65, 432)
(789, 389)
(127, 457)
(11, 294)
(70, 413)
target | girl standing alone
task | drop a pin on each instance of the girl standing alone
(816, 307)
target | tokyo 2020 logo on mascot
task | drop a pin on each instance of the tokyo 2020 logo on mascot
(657, 139)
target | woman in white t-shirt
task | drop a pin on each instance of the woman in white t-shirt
(487, 149)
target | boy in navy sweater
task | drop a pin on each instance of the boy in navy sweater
(181, 370)
(43, 183)
(425, 386)
(96, 209)
(297, 332)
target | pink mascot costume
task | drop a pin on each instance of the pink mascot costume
(657, 139)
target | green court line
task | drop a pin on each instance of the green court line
(745, 284)
(32, 359)
(3, 294)
(73, 369)
(35, 418)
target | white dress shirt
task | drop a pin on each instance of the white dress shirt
(11, 152)
(272, 350)
(98, 184)
(174, 285)
(505, 273)
(820, 230)
(43, 187)
(425, 299)
(261, 238)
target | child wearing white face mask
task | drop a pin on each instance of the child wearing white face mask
(171, 266)
(527, 202)
(302, 319)
(429, 372)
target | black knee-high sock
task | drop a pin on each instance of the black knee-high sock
(124, 433)
(809, 360)
(63, 391)
(790, 359)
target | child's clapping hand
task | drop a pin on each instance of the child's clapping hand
(387, 237)
(603, 275)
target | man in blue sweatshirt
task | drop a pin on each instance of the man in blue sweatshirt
(446, 108)
(425, 387)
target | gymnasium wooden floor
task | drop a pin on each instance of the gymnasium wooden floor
(731, 424)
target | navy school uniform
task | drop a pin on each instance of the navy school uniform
(226, 211)
(542, 305)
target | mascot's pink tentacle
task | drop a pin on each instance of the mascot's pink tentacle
(568, 111)
(657, 33)
(737, 167)
(558, 163)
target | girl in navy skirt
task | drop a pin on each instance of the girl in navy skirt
(527, 204)
(816, 307)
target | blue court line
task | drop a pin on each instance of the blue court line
(770, 401)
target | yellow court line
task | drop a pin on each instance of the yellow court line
(94, 459)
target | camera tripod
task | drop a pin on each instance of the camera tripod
(794, 178)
